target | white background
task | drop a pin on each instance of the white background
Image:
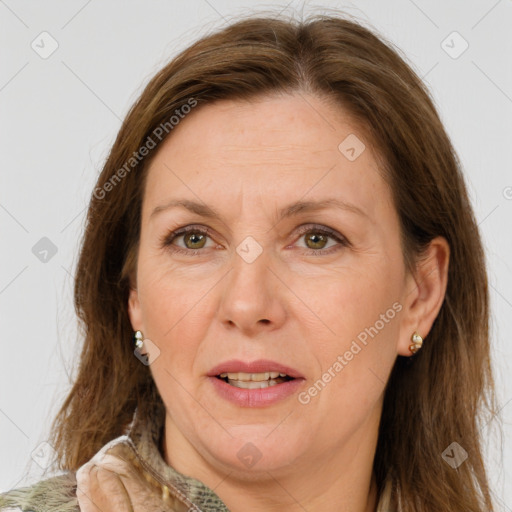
(60, 115)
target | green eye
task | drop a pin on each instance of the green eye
(195, 238)
(318, 241)
(317, 237)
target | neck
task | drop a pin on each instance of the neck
(276, 494)
(339, 482)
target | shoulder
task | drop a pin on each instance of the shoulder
(55, 494)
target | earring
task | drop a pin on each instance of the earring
(417, 342)
(138, 337)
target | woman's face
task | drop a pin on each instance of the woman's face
(293, 262)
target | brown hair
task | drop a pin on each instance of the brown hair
(431, 400)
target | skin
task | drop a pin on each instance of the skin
(292, 305)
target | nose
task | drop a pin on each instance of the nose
(253, 297)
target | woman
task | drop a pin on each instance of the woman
(282, 238)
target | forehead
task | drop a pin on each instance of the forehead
(280, 148)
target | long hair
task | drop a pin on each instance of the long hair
(432, 400)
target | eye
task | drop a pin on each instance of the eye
(317, 237)
(194, 239)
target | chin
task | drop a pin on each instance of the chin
(256, 450)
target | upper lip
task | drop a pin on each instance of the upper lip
(259, 366)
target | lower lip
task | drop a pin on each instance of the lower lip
(255, 397)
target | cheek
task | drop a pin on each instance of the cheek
(349, 303)
(176, 314)
(360, 317)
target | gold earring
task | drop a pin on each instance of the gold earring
(417, 342)
(138, 337)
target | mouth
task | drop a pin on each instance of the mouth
(261, 383)
(254, 380)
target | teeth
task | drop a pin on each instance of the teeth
(253, 384)
(252, 377)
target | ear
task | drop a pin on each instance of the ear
(424, 293)
(134, 310)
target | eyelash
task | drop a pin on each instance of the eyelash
(166, 241)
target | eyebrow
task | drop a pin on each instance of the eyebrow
(296, 208)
